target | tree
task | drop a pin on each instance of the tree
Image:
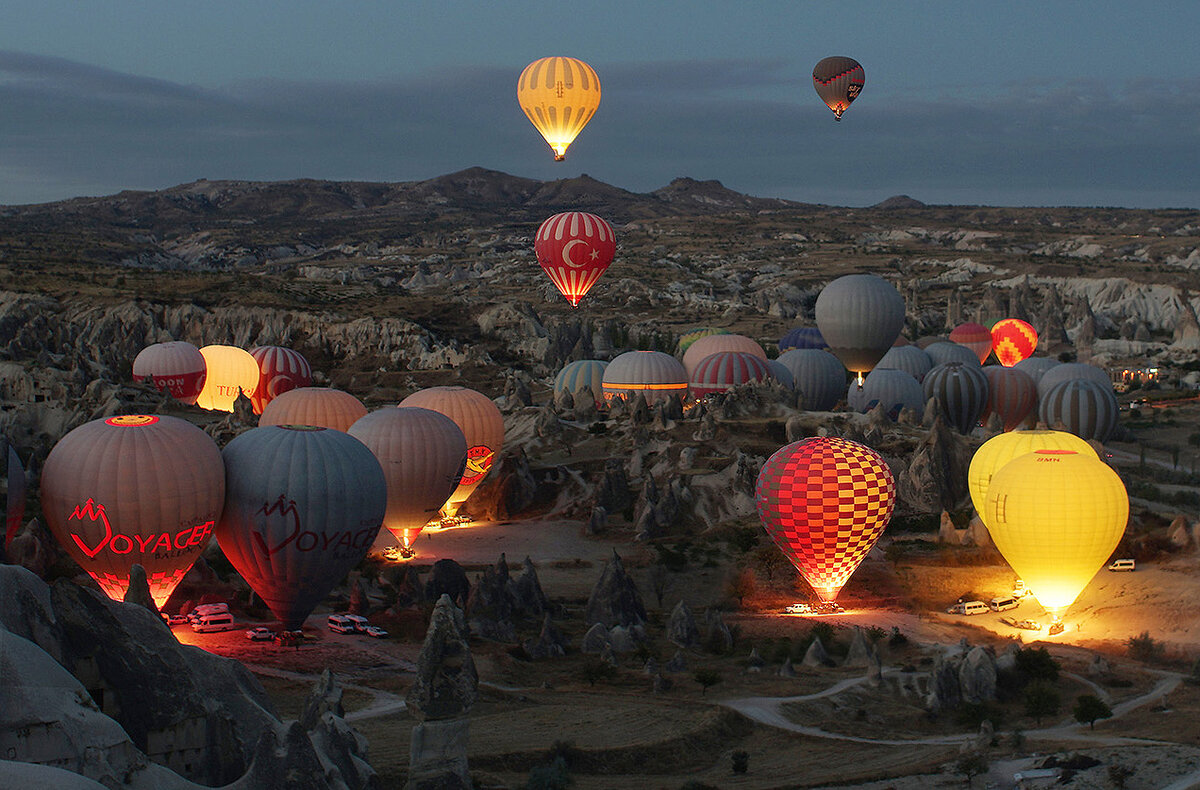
(741, 761)
(1144, 647)
(1089, 707)
(706, 677)
(1036, 663)
(597, 669)
(971, 765)
(741, 585)
(1041, 699)
(768, 560)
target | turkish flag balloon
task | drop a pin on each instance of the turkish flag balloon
(280, 370)
(132, 489)
(575, 248)
(1013, 340)
(825, 502)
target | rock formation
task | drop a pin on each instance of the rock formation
(615, 599)
(681, 627)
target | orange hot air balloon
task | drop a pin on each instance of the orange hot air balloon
(318, 406)
(134, 489)
(975, 337)
(423, 454)
(302, 507)
(176, 366)
(574, 249)
(559, 96)
(231, 372)
(279, 370)
(482, 424)
(825, 502)
(1013, 340)
(838, 81)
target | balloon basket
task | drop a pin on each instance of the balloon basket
(399, 553)
(448, 522)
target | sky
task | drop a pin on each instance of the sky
(1013, 103)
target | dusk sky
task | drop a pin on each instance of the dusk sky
(1015, 103)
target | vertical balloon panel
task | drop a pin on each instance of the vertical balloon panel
(559, 96)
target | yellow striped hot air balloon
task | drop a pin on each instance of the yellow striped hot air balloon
(559, 96)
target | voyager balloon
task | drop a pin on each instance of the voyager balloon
(574, 249)
(280, 370)
(838, 81)
(176, 366)
(825, 502)
(559, 96)
(132, 489)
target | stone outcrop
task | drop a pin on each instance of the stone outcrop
(508, 489)
(615, 599)
(681, 627)
(816, 655)
(936, 478)
(550, 642)
(860, 651)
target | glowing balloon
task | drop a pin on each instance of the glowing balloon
(302, 507)
(423, 455)
(825, 502)
(860, 316)
(1013, 340)
(999, 450)
(574, 249)
(231, 372)
(974, 336)
(714, 343)
(280, 370)
(838, 81)
(559, 96)
(1011, 394)
(134, 489)
(583, 374)
(653, 374)
(724, 370)
(1056, 516)
(176, 366)
(317, 406)
(482, 424)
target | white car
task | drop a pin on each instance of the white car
(376, 631)
(260, 634)
(798, 608)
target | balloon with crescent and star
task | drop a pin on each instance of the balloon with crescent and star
(574, 248)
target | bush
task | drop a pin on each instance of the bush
(741, 761)
(706, 677)
(597, 670)
(1144, 647)
(897, 639)
(1036, 663)
(555, 776)
(970, 715)
(1089, 707)
(1041, 699)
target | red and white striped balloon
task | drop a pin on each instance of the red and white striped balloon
(280, 370)
(575, 248)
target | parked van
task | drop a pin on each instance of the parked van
(347, 623)
(207, 609)
(1122, 565)
(1002, 604)
(222, 621)
(968, 607)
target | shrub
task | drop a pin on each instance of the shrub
(897, 639)
(1036, 663)
(1144, 647)
(1089, 707)
(741, 761)
(706, 677)
(598, 670)
(1041, 699)
(555, 776)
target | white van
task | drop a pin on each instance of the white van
(207, 609)
(221, 621)
(1002, 604)
(1122, 565)
(968, 607)
(347, 623)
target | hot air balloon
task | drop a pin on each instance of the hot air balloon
(279, 370)
(817, 375)
(559, 96)
(893, 389)
(134, 489)
(574, 249)
(838, 81)
(714, 343)
(960, 391)
(423, 455)
(911, 359)
(724, 370)
(1085, 408)
(231, 371)
(482, 424)
(691, 336)
(999, 450)
(781, 373)
(860, 316)
(653, 374)
(176, 366)
(1013, 340)
(1072, 370)
(583, 374)
(802, 337)
(317, 406)
(1011, 394)
(1036, 367)
(943, 352)
(976, 337)
(1056, 516)
(825, 502)
(302, 507)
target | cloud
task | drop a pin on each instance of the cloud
(751, 123)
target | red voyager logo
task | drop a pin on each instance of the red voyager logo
(303, 539)
(124, 544)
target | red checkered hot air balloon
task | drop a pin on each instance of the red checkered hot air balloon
(825, 502)
(1013, 340)
(575, 248)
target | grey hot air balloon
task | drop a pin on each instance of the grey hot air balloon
(1036, 367)
(817, 376)
(911, 359)
(1071, 370)
(943, 352)
(960, 390)
(1084, 407)
(893, 389)
(860, 316)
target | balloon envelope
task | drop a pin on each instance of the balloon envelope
(1056, 516)
(724, 370)
(231, 371)
(825, 502)
(176, 366)
(943, 352)
(1069, 371)
(132, 489)
(817, 375)
(1036, 367)
(911, 359)
(860, 316)
(317, 406)
(280, 370)
(574, 249)
(960, 391)
(582, 375)
(999, 450)
(893, 389)
(838, 81)
(802, 337)
(1085, 408)
(559, 96)
(1013, 340)
(1011, 394)
(302, 507)
(653, 374)
(691, 336)
(976, 337)
(723, 342)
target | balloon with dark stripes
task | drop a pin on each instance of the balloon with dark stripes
(1083, 407)
(1011, 394)
(1072, 370)
(817, 375)
(960, 390)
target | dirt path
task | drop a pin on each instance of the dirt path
(383, 703)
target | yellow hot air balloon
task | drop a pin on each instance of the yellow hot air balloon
(559, 96)
(1056, 516)
(999, 450)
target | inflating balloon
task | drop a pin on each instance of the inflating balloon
(976, 337)
(825, 502)
(960, 391)
(860, 316)
(574, 249)
(1085, 408)
(802, 337)
(838, 81)
(1011, 394)
(559, 96)
(692, 335)
(175, 366)
(817, 375)
(719, 342)
(321, 407)
(1013, 340)
(724, 370)
(231, 371)
(582, 375)
(999, 450)
(652, 374)
(280, 370)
